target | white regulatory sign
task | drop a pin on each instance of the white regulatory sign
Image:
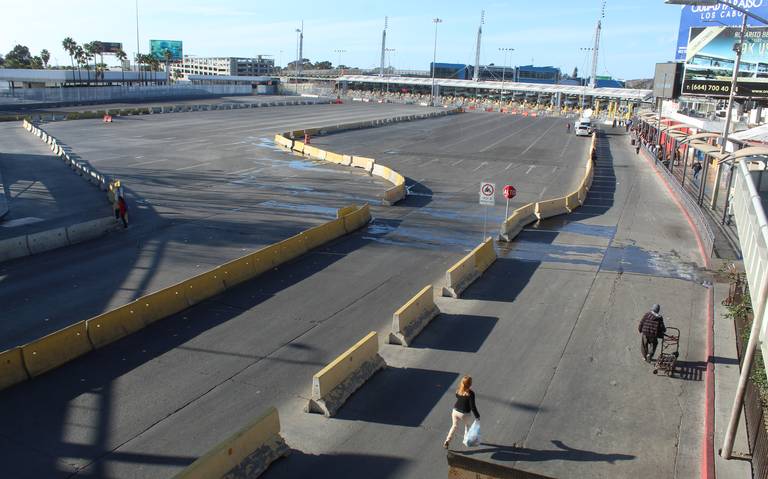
(487, 194)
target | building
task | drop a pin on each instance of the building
(226, 66)
(532, 74)
(458, 71)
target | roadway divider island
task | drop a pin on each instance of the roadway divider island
(41, 355)
(289, 141)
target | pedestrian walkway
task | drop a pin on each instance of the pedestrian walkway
(43, 193)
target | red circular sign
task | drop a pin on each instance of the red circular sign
(509, 192)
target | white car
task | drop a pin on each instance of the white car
(583, 127)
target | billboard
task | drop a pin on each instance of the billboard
(710, 59)
(666, 80)
(111, 47)
(701, 16)
(157, 47)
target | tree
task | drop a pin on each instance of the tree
(81, 59)
(324, 65)
(19, 57)
(70, 46)
(167, 55)
(575, 73)
(45, 55)
(122, 57)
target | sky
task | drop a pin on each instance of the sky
(636, 33)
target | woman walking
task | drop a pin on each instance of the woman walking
(465, 403)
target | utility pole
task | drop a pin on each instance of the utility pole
(434, 60)
(383, 46)
(138, 48)
(476, 73)
(301, 47)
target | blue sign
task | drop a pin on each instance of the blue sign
(157, 49)
(701, 16)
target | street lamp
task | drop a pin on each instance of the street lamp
(503, 71)
(338, 65)
(389, 52)
(730, 434)
(434, 59)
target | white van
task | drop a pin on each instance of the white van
(583, 127)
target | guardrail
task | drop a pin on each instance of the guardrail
(540, 210)
(469, 268)
(397, 192)
(55, 349)
(753, 238)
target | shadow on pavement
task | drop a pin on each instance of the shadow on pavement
(338, 466)
(456, 332)
(383, 399)
(503, 281)
(562, 453)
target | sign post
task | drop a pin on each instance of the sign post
(487, 198)
(509, 193)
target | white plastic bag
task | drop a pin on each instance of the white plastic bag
(472, 436)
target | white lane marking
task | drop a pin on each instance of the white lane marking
(509, 166)
(193, 166)
(146, 162)
(246, 170)
(429, 162)
(170, 138)
(457, 163)
(481, 165)
(539, 138)
(140, 157)
(505, 138)
(530, 168)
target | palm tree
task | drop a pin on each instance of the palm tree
(98, 47)
(154, 65)
(120, 54)
(167, 55)
(81, 58)
(70, 46)
(45, 55)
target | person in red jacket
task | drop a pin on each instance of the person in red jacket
(123, 210)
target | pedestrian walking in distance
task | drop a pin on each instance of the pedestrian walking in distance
(696, 169)
(123, 210)
(465, 404)
(651, 328)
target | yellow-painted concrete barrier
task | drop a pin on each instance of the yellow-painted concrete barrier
(203, 286)
(108, 327)
(12, 369)
(56, 349)
(469, 268)
(283, 142)
(518, 220)
(161, 304)
(413, 316)
(298, 146)
(244, 455)
(357, 219)
(333, 384)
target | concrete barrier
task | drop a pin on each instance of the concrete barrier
(47, 240)
(88, 230)
(298, 146)
(519, 218)
(333, 384)
(363, 162)
(572, 201)
(161, 304)
(13, 248)
(469, 268)
(108, 327)
(12, 370)
(283, 142)
(357, 219)
(56, 349)
(334, 158)
(237, 271)
(553, 207)
(203, 286)
(413, 316)
(244, 455)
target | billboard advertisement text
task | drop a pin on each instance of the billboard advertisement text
(111, 47)
(710, 60)
(157, 47)
(704, 16)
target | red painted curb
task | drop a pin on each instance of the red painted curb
(708, 443)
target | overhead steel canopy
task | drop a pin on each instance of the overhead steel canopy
(613, 93)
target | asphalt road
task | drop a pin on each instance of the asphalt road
(537, 331)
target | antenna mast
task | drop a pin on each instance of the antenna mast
(476, 73)
(596, 50)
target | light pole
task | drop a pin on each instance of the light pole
(730, 434)
(434, 59)
(389, 52)
(503, 72)
(298, 60)
(338, 65)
